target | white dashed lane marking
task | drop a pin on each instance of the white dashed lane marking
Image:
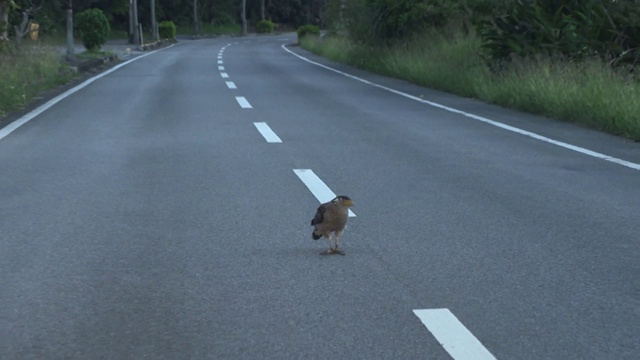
(231, 85)
(267, 133)
(317, 187)
(454, 337)
(243, 102)
(224, 75)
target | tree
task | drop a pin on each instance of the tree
(25, 25)
(196, 19)
(244, 17)
(71, 50)
(5, 7)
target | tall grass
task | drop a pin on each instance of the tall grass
(26, 72)
(588, 93)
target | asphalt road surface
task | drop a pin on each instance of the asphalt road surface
(147, 216)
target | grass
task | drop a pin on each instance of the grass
(588, 93)
(34, 67)
(211, 29)
(26, 72)
(90, 55)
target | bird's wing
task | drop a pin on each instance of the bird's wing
(319, 217)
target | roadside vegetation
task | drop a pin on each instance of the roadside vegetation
(28, 67)
(586, 78)
(575, 60)
(589, 93)
(27, 72)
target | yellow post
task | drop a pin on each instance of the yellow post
(33, 31)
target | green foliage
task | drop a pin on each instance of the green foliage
(265, 26)
(27, 71)
(292, 13)
(5, 47)
(223, 19)
(575, 29)
(307, 30)
(167, 30)
(590, 92)
(93, 27)
(388, 20)
(218, 29)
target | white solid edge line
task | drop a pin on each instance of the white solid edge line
(231, 85)
(243, 102)
(44, 107)
(317, 187)
(267, 133)
(578, 149)
(454, 337)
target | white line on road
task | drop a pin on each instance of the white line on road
(224, 75)
(221, 68)
(231, 85)
(267, 133)
(454, 337)
(44, 107)
(514, 129)
(220, 62)
(317, 187)
(243, 102)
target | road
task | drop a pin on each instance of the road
(147, 216)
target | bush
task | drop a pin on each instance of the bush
(265, 26)
(93, 27)
(167, 30)
(308, 29)
(577, 30)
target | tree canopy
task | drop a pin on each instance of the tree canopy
(571, 28)
(51, 13)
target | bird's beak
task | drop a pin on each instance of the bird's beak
(349, 203)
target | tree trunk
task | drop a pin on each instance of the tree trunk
(71, 49)
(136, 28)
(22, 29)
(5, 5)
(154, 24)
(196, 31)
(244, 17)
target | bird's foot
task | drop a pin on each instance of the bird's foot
(333, 252)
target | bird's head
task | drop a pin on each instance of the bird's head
(343, 200)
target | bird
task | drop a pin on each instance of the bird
(331, 217)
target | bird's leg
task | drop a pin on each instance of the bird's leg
(335, 250)
(330, 251)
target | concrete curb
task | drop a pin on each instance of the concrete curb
(88, 65)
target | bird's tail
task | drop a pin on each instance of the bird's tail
(315, 236)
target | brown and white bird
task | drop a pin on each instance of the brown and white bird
(331, 217)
